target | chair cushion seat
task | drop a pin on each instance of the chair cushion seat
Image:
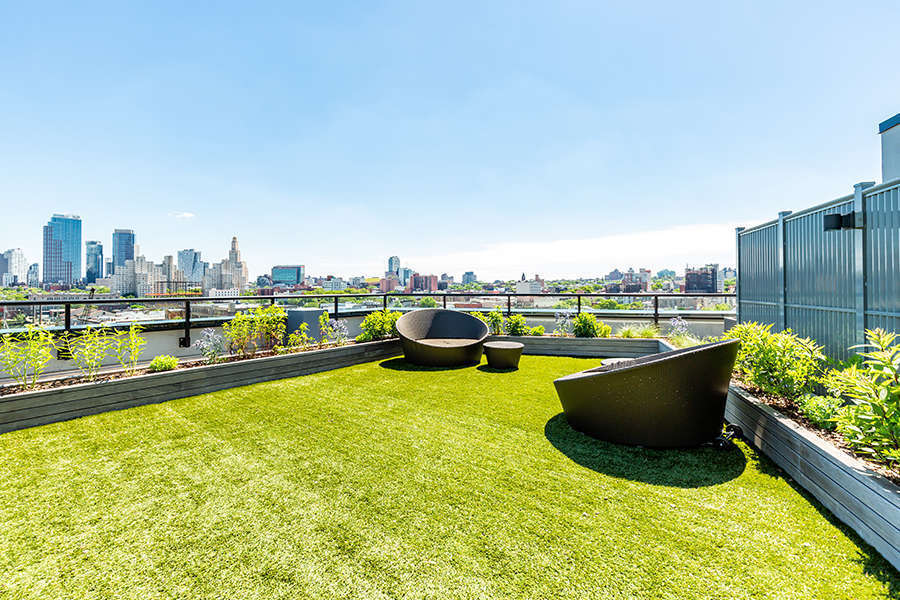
(447, 342)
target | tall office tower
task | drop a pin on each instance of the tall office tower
(34, 276)
(93, 257)
(107, 267)
(13, 264)
(394, 264)
(469, 277)
(62, 249)
(190, 264)
(122, 247)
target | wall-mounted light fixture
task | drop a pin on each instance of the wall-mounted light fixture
(837, 222)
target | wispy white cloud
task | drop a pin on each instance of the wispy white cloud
(182, 216)
(672, 247)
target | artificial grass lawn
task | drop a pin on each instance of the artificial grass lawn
(381, 481)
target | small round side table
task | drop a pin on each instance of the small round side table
(503, 355)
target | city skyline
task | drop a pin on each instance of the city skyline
(333, 136)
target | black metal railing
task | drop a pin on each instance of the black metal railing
(187, 322)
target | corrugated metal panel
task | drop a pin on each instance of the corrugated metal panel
(882, 248)
(759, 274)
(819, 271)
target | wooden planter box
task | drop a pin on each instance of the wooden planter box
(29, 409)
(858, 496)
(586, 347)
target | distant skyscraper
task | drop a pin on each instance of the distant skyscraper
(404, 274)
(394, 264)
(701, 279)
(93, 258)
(62, 249)
(122, 247)
(288, 274)
(34, 277)
(190, 264)
(468, 277)
(13, 264)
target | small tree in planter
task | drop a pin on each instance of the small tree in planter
(25, 356)
(587, 325)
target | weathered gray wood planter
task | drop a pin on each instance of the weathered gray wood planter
(29, 409)
(858, 496)
(586, 347)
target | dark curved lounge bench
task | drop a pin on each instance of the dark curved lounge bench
(668, 400)
(441, 338)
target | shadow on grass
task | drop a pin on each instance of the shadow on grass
(686, 468)
(401, 364)
(488, 369)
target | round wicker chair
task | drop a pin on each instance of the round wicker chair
(667, 400)
(441, 338)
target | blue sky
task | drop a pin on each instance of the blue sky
(562, 138)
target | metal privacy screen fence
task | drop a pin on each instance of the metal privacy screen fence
(828, 272)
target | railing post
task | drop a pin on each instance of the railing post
(508, 305)
(656, 309)
(68, 317)
(859, 259)
(579, 304)
(445, 300)
(384, 301)
(737, 272)
(185, 342)
(781, 317)
(335, 307)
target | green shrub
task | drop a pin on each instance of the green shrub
(163, 362)
(536, 331)
(820, 410)
(871, 423)
(779, 364)
(24, 356)
(379, 325)
(241, 332)
(299, 339)
(515, 325)
(587, 325)
(494, 319)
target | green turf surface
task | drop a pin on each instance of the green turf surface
(381, 481)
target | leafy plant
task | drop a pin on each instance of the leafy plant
(587, 325)
(127, 348)
(780, 364)
(325, 330)
(163, 362)
(211, 346)
(536, 331)
(270, 325)
(241, 333)
(300, 338)
(820, 410)
(563, 325)
(90, 348)
(379, 325)
(24, 356)
(515, 325)
(871, 423)
(494, 319)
